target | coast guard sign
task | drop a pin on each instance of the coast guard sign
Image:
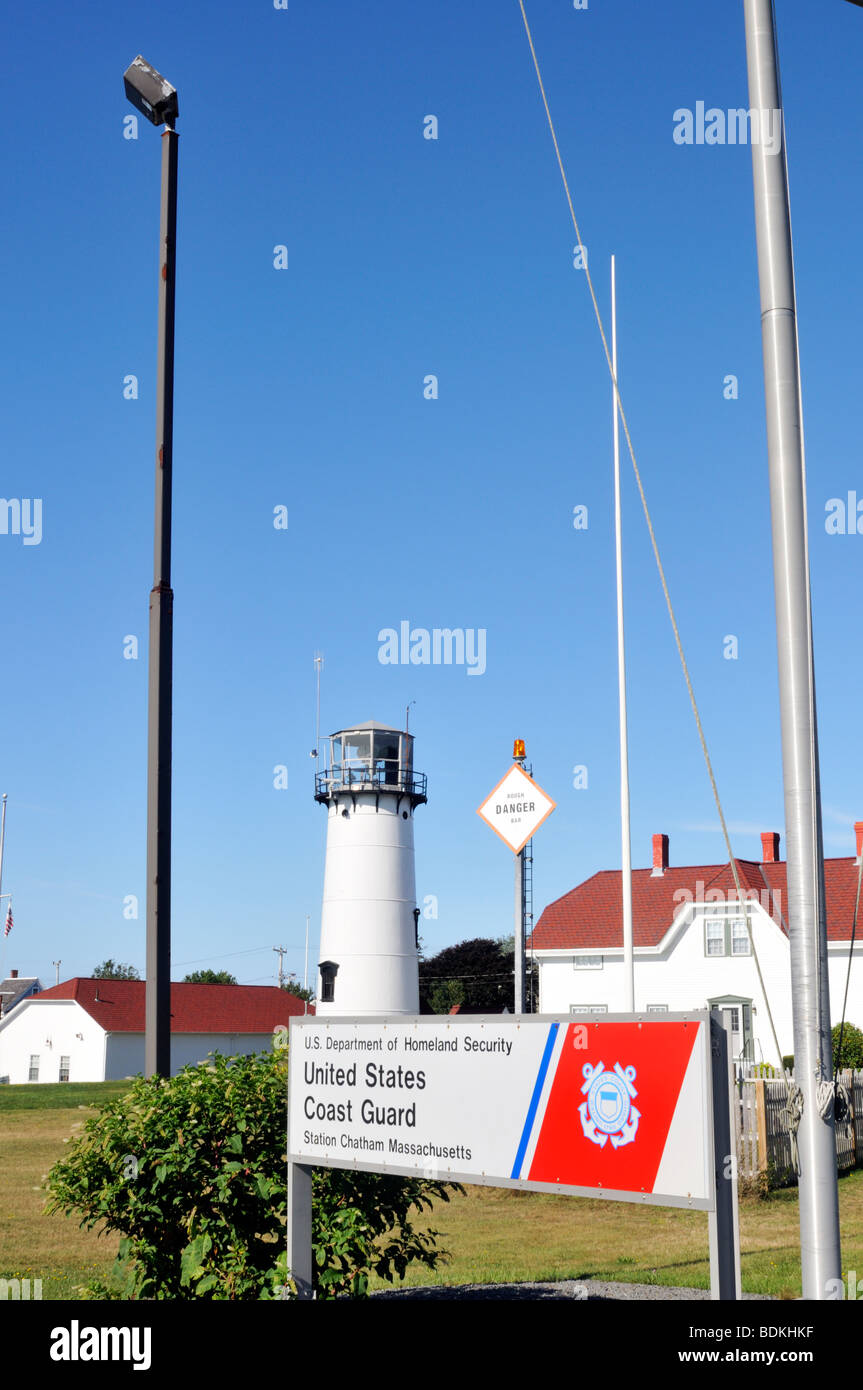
(617, 1107)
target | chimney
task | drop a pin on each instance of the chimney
(858, 831)
(769, 847)
(660, 855)
(13, 974)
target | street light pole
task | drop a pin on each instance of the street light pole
(157, 100)
(819, 1204)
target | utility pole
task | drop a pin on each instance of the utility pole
(280, 952)
(819, 1203)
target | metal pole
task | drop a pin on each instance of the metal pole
(518, 923)
(2, 841)
(300, 1229)
(306, 968)
(157, 1052)
(723, 1222)
(2, 920)
(625, 839)
(819, 1207)
(518, 943)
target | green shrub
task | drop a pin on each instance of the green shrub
(852, 1046)
(190, 1172)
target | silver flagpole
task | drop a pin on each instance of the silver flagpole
(625, 838)
(819, 1206)
(2, 840)
(2, 917)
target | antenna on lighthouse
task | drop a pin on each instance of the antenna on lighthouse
(319, 662)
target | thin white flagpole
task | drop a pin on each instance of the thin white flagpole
(2, 839)
(625, 840)
(306, 967)
(2, 917)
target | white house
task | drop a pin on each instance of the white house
(93, 1030)
(691, 945)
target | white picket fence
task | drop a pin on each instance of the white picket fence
(763, 1136)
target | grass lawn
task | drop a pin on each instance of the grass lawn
(495, 1235)
(500, 1235)
(34, 1122)
(66, 1095)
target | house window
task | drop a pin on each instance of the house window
(34, 1067)
(64, 1068)
(588, 1008)
(714, 929)
(587, 962)
(725, 936)
(657, 1008)
(740, 945)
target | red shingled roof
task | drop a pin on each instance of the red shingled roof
(589, 916)
(118, 1005)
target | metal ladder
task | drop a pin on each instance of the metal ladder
(527, 881)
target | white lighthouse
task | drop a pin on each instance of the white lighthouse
(369, 961)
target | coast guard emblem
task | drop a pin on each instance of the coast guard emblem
(608, 1112)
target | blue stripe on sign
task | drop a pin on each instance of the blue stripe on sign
(534, 1100)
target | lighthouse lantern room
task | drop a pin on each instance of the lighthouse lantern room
(369, 919)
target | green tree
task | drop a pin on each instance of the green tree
(484, 969)
(113, 970)
(190, 1172)
(209, 977)
(294, 987)
(444, 995)
(852, 1047)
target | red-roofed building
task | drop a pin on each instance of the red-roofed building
(691, 945)
(93, 1030)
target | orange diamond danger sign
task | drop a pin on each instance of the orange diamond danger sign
(516, 808)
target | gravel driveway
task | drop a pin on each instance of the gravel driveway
(591, 1290)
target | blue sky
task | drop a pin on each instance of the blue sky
(304, 388)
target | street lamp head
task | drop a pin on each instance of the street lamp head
(150, 93)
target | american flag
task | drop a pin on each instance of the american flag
(8, 921)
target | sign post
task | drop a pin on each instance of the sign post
(723, 1220)
(515, 809)
(300, 1228)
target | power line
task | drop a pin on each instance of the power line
(255, 950)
